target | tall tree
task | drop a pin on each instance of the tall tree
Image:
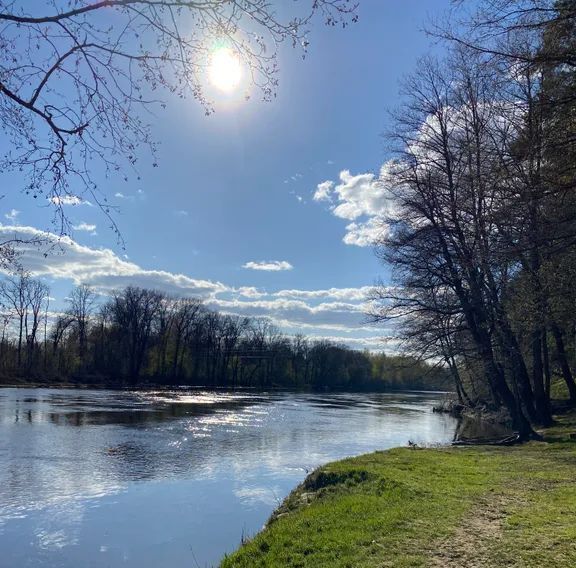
(81, 303)
(134, 311)
(446, 234)
(14, 292)
(37, 293)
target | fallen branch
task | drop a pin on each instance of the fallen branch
(507, 441)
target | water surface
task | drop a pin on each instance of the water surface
(97, 478)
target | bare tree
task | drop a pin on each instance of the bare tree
(452, 134)
(37, 297)
(488, 27)
(15, 297)
(186, 314)
(59, 328)
(262, 337)
(5, 321)
(80, 308)
(300, 360)
(231, 330)
(25, 297)
(128, 332)
(134, 311)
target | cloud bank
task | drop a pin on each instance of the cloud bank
(336, 313)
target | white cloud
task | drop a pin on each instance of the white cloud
(365, 234)
(126, 197)
(349, 294)
(69, 200)
(268, 265)
(100, 268)
(365, 199)
(372, 343)
(250, 292)
(363, 194)
(88, 227)
(323, 191)
(181, 213)
(340, 316)
(13, 215)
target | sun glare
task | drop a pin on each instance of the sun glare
(225, 70)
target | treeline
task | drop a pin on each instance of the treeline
(482, 242)
(138, 337)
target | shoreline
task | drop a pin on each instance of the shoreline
(449, 506)
(164, 387)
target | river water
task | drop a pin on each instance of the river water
(96, 478)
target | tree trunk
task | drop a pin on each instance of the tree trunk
(546, 362)
(563, 360)
(541, 400)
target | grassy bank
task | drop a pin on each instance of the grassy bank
(447, 507)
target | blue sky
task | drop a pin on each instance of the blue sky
(237, 188)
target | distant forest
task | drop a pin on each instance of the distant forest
(139, 337)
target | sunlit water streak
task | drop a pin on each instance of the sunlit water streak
(150, 479)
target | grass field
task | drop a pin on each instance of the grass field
(446, 507)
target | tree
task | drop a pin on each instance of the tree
(484, 234)
(14, 297)
(77, 76)
(36, 297)
(488, 27)
(231, 330)
(534, 43)
(300, 359)
(139, 336)
(134, 311)
(185, 319)
(25, 297)
(80, 308)
(59, 328)
(445, 235)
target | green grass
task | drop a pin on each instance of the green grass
(430, 507)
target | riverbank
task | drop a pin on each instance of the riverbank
(443, 507)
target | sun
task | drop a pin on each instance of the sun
(225, 70)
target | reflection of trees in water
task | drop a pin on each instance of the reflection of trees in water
(85, 412)
(130, 445)
(132, 460)
(378, 401)
(128, 409)
(473, 428)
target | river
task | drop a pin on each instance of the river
(100, 478)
